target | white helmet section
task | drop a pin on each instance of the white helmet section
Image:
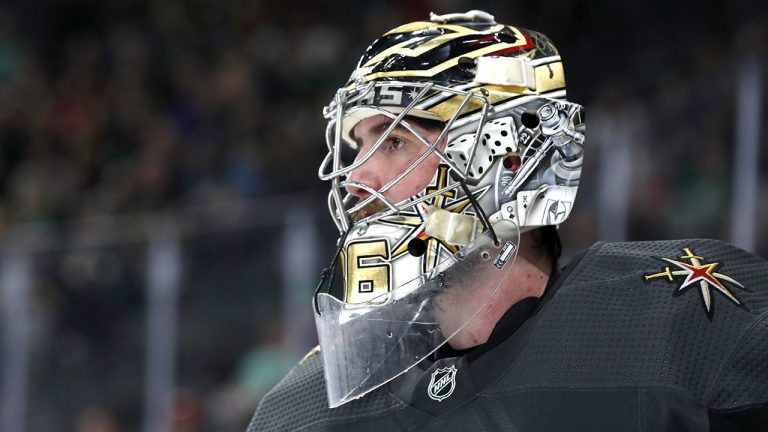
(528, 158)
(475, 155)
(537, 185)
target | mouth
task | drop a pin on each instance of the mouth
(369, 209)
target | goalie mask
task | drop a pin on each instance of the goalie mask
(451, 137)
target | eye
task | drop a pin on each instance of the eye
(395, 144)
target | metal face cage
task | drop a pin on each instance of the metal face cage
(356, 102)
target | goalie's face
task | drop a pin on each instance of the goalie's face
(394, 157)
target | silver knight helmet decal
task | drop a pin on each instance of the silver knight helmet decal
(557, 211)
(442, 383)
(691, 271)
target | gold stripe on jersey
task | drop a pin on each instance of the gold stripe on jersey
(311, 352)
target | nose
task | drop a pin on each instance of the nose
(367, 174)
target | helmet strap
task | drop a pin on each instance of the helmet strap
(480, 212)
(329, 273)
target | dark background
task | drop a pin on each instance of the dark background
(120, 117)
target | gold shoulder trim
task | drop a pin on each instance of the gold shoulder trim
(311, 352)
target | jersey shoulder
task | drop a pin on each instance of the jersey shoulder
(299, 402)
(682, 314)
(697, 301)
(686, 264)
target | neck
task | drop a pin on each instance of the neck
(527, 278)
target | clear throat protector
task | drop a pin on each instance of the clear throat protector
(384, 324)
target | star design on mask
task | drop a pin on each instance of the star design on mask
(413, 94)
(415, 220)
(698, 274)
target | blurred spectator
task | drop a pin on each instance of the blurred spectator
(258, 370)
(188, 414)
(112, 112)
(95, 419)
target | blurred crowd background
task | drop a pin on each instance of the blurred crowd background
(162, 224)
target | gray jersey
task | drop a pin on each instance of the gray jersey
(645, 336)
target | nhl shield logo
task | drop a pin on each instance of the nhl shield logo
(442, 383)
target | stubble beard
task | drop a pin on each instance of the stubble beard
(369, 209)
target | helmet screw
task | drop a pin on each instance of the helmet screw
(529, 119)
(466, 62)
(417, 247)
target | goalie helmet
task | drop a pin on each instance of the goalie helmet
(495, 149)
